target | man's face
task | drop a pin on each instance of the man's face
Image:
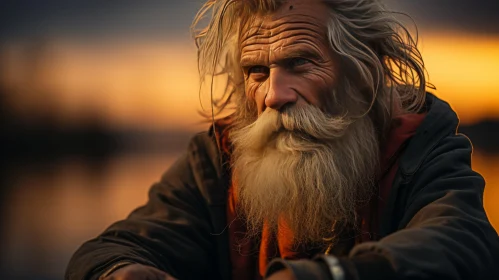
(304, 165)
(286, 57)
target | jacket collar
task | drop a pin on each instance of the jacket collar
(440, 121)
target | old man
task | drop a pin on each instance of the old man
(334, 162)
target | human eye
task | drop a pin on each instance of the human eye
(259, 69)
(297, 61)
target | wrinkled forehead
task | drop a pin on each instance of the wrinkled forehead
(293, 15)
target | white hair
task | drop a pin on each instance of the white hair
(379, 50)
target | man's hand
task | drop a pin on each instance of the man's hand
(284, 274)
(138, 272)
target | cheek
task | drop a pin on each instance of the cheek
(327, 73)
(316, 85)
(255, 92)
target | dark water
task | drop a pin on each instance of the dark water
(51, 208)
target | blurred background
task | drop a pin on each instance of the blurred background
(97, 98)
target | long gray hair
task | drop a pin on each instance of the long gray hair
(380, 53)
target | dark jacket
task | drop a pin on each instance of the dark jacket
(433, 227)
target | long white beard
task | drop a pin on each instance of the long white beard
(305, 168)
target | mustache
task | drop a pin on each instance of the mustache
(304, 121)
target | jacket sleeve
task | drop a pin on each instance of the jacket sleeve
(172, 232)
(443, 231)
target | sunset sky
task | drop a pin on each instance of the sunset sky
(127, 64)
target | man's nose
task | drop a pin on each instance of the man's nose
(280, 90)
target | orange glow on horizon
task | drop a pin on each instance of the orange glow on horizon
(154, 85)
(465, 71)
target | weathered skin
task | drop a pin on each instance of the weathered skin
(286, 58)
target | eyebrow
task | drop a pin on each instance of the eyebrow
(248, 61)
(303, 53)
